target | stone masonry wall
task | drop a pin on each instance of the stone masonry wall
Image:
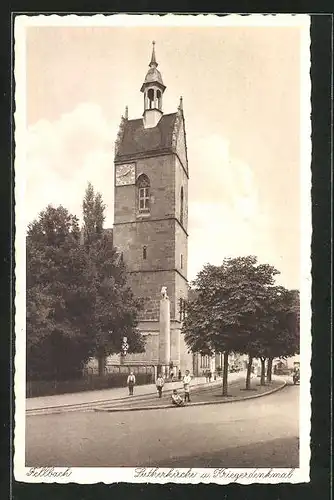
(148, 286)
(165, 242)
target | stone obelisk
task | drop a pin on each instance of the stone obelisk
(164, 331)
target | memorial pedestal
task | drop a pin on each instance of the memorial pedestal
(164, 334)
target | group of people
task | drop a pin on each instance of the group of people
(177, 399)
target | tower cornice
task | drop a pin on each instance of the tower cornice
(147, 154)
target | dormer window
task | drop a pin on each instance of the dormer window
(143, 186)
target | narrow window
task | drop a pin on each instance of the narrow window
(150, 95)
(181, 205)
(159, 98)
(144, 252)
(181, 263)
(182, 309)
(144, 198)
(143, 184)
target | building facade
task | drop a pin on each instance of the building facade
(151, 215)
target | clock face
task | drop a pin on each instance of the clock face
(125, 174)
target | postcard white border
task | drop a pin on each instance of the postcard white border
(123, 474)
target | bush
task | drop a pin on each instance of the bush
(36, 388)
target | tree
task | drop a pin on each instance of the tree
(55, 263)
(284, 326)
(115, 309)
(88, 211)
(223, 315)
(78, 300)
(277, 327)
(99, 208)
(255, 281)
(93, 214)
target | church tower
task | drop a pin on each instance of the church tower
(151, 215)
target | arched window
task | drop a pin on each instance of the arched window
(144, 252)
(143, 185)
(150, 95)
(159, 98)
(181, 205)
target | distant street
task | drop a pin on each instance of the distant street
(261, 432)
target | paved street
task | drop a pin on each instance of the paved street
(261, 432)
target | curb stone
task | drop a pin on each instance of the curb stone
(199, 403)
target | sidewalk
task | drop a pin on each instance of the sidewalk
(210, 394)
(117, 393)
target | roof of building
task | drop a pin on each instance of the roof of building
(137, 140)
(153, 75)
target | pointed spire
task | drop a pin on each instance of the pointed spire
(181, 103)
(126, 114)
(153, 63)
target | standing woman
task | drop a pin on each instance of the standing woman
(131, 383)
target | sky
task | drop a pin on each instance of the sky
(241, 97)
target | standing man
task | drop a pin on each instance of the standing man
(159, 384)
(186, 386)
(131, 383)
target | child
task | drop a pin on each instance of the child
(131, 383)
(159, 384)
(186, 386)
(176, 399)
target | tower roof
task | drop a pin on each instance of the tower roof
(153, 75)
(138, 141)
(153, 58)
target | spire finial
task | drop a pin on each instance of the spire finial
(181, 103)
(153, 62)
(126, 114)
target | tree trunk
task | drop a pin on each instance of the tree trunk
(269, 369)
(249, 372)
(225, 373)
(101, 364)
(263, 371)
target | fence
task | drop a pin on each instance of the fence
(116, 376)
